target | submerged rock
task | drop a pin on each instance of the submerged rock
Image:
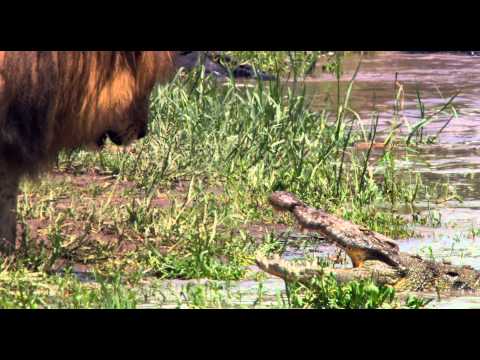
(215, 65)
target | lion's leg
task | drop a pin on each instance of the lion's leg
(8, 210)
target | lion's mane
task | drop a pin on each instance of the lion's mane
(51, 101)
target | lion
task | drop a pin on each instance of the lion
(61, 100)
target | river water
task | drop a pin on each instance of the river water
(436, 76)
(454, 159)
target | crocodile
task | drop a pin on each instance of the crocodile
(374, 256)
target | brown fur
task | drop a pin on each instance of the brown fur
(50, 101)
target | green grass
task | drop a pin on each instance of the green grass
(23, 289)
(326, 293)
(214, 152)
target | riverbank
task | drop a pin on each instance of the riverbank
(189, 201)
